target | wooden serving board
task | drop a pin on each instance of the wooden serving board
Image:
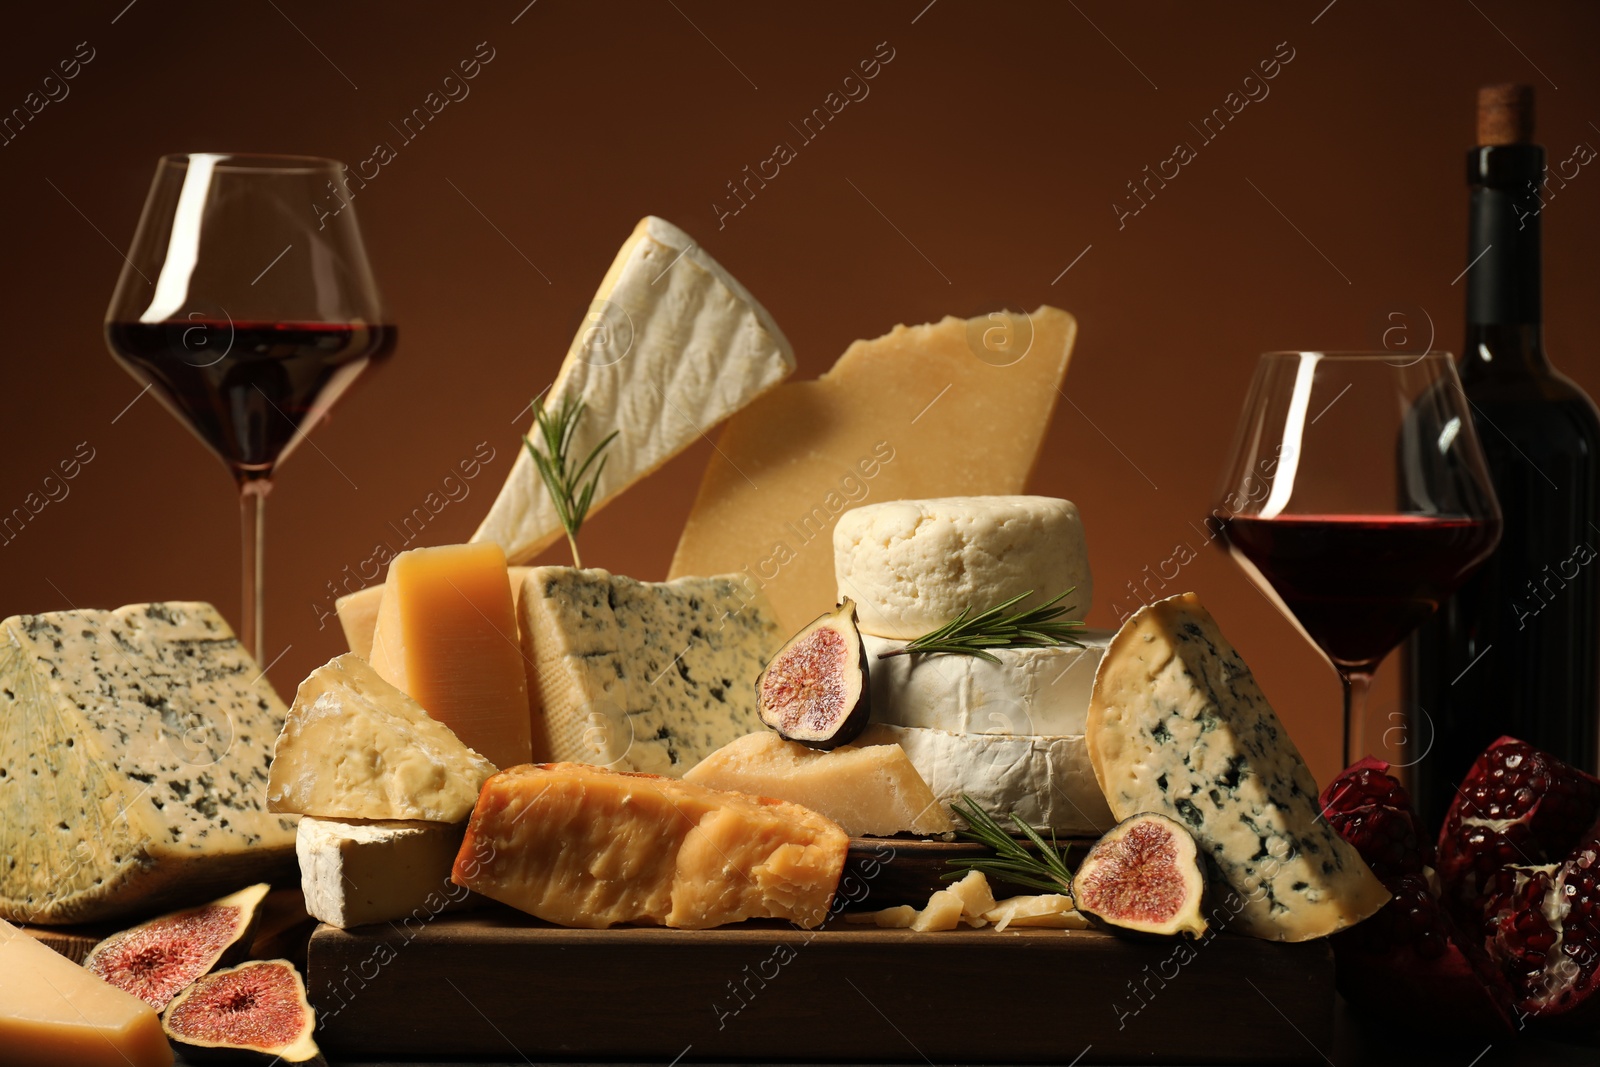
(499, 984)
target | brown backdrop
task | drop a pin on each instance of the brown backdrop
(984, 161)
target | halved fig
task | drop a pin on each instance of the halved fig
(814, 690)
(1143, 877)
(156, 959)
(255, 1010)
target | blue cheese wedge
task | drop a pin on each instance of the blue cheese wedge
(1177, 725)
(642, 676)
(134, 748)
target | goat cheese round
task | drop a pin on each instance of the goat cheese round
(1030, 691)
(912, 566)
(1047, 781)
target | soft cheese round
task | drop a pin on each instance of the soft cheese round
(913, 565)
(1047, 781)
(1030, 691)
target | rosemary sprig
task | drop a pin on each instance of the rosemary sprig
(1045, 870)
(1039, 627)
(570, 494)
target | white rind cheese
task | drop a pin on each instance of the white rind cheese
(1178, 726)
(354, 873)
(134, 747)
(1030, 691)
(1046, 781)
(913, 565)
(672, 346)
(356, 747)
(643, 676)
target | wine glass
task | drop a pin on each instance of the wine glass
(1358, 500)
(247, 306)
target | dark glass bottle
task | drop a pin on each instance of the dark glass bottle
(1517, 649)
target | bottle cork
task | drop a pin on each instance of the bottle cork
(1505, 114)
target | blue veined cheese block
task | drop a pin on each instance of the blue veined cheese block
(134, 750)
(1178, 725)
(643, 676)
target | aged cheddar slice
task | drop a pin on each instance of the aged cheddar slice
(583, 846)
(671, 346)
(897, 417)
(355, 747)
(447, 634)
(1177, 725)
(133, 764)
(358, 612)
(642, 676)
(354, 873)
(53, 1013)
(1029, 691)
(1045, 780)
(911, 566)
(870, 791)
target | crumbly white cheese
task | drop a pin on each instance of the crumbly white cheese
(1177, 725)
(913, 565)
(672, 345)
(354, 873)
(1046, 781)
(356, 747)
(643, 676)
(1030, 691)
(134, 747)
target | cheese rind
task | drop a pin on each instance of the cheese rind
(672, 345)
(447, 635)
(133, 764)
(871, 791)
(911, 566)
(1178, 726)
(354, 873)
(893, 419)
(54, 1013)
(1030, 691)
(355, 747)
(583, 846)
(642, 676)
(1046, 781)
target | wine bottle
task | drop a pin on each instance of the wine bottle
(1517, 649)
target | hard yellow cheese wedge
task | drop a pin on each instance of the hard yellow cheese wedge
(447, 635)
(54, 1013)
(869, 790)
(583, 846)
(956, 408)
(355, 747)
(358, 611)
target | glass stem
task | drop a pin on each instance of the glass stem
(252, 528)
(1356, 684)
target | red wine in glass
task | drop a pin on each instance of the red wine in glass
(249, 390)
(248, 309)
(1357, 499)
(1404, 567)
